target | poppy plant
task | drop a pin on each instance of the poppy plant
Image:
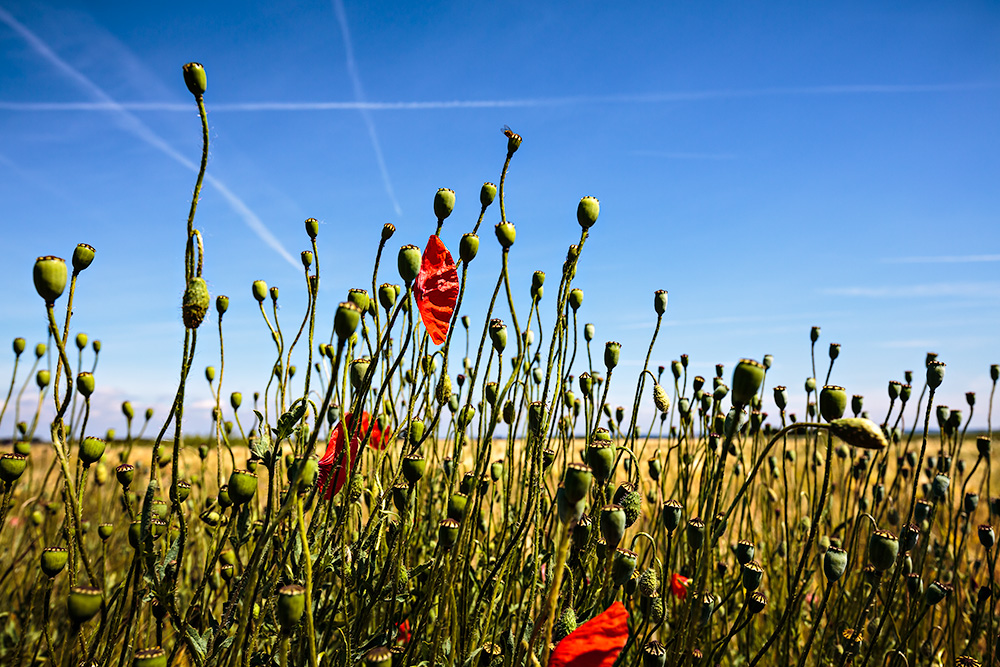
(596, 643)
(335, 448)
(678, 586)
(436, 289)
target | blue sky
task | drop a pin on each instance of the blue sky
(773, 165)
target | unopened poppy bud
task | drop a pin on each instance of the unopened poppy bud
(859, 432)
(498, 335)
(832, 402)
(935, 374)
(576, 298)
(612, 351)
(443, 391)
(587, 211)
(506, 233)
(242, 486)
(50, 277)
(660, 301)
(83, 603)
(660, 398)
(408, 263)
(85, 384)
(195, 79)
(513, 141)
(346, 320)
(444, 203)
(468, 247)
(747, 378)
(487, 193)
(834, 564)
(91, 450)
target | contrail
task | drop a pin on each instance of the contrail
(359, 94)
(132, 124)
(431, 105)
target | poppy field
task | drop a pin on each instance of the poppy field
(434, 490)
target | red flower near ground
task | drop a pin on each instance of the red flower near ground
(596, 643)
(333, 456)
(403, 632)
(436, 289)
(678, 586)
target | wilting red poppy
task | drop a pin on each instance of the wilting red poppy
(679, 586)
(436, 289)
(337, 445)
(596, 643)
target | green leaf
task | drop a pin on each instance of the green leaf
(200, 642)
(288, 421)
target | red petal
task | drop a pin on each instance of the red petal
(333, 453)
(436, 289)
(678, 586)
(596, 643)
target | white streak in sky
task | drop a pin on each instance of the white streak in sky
(930, 290)
(431, 105)
(943, 259)
(359, 95)
(130, 123)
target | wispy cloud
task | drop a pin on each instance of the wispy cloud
(359, 95)
(362, 104)
(956, 289)
(130, 123)
(943, 259)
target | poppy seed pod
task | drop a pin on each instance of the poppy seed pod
(498, 335)
(747, 378)
(150, 657)
(91, 450)
(195, 79)
(575, 299)
(588, 332)
(834, 563)
(12, 466)
(18, 345)
(623, 565)
(386, 296)
(600, 458)
(83, 256)
(468, 247)
(408, 263)
(654, 654)
(456, 506)
(936, 592)
(105, 530)
(221, 304)
(505, 234)
(444, 203)
(612, 524)
(939, 487)
(50, 277)
(883, 547)
(85, 384)
(448, 532)
(832, 402)
(986, 536)
(935, 374)
(587, 211)
(577, 481)
(751, 575)
(612, 351)
(307, 258)
(53, 560)
(744, 551)
(346, 320)
(569, 511)
(857, 404)
(660, 301)
(83, 603)
(487, 193)
(859, 432)
(125, 472)
(242, 486)
(695, 533)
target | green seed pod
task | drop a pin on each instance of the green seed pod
(359, 298)
(832, 402)
(50, 277)
(105, 530)
(306, 256)
(380, 656)
(290, 606)
(751, 575)
(12, 466)
(587, 211)
(91, 450)
(654, 654)
(196, 302)
(408, 263)
(987, 537)
(600, 458)
(834, 563)
(195, 79)
(448, 532)
(857, 403)
(576, 298)
(588, 332)
(883, 547)
(53, 561)
(40, 350)
(388, 229)
(487, 193)
(498, 335)
(242, 486)
(622, 565)
(468, 247)
(83, 603)
(859, 432)
(150, 657)
(496, 470)
(568, 510)
(660, 301)
(19, 344)
(457, 504)
(506, 233)
(85, 384)
(81, 341)
(747, 378)
(359, 368)
(612, 524)
(655, 468)
(125, 472)
(312, 227)
(672, 513)
(935, 375)
(936, 592)
(612, 351)
(939, 487)
(744, 551)
(221, 305)
(346, 320)
(413, 467)
(386, 296)
(259, 290)
(586, 382)
(183, 490)
(83, 256)
(695, 533)
(444, 203)
(577, 481)
(273, 292)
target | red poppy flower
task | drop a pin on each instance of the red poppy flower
(596, 643)
(436, 289)
(403, 632)
(678, 586)
(333, 455)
